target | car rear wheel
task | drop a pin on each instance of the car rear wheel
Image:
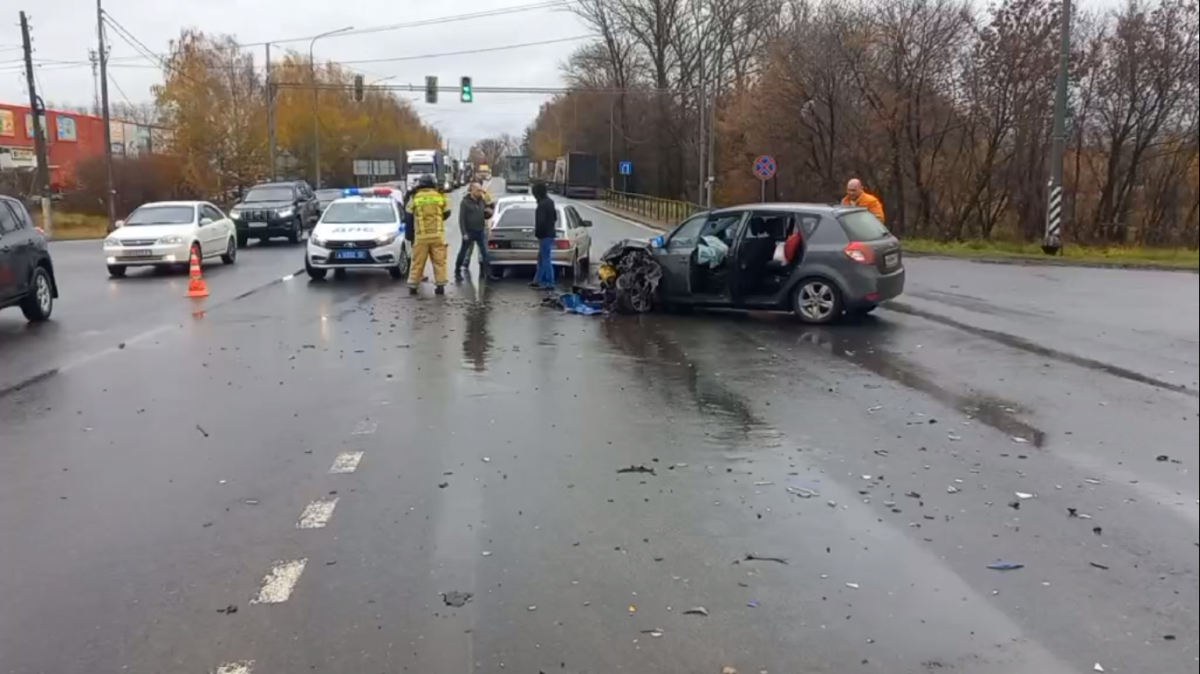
(117, 271)
(230, 256)
(314, 273)
(818, 302)
(38, 306)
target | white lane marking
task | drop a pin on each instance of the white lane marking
(366, 427)
(317, 514)
(278, 585)
(289, 277)
(346, 463)
(620, 219)
(243, 667)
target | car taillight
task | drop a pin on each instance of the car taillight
(562, 244)
(860, 253)
(492, 245)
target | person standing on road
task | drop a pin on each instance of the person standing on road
(545, 226)
(473, 216)
(430, 210)
(857, 196)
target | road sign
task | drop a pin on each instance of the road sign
(626, 168)
(765, 167)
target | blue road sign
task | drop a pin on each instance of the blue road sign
(626, 168)
(765, 167)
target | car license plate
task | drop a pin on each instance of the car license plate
(525, 245)
(352, 255)
(892, 260)
(258, 225)
(137, 253)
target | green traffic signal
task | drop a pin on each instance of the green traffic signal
(468, 91)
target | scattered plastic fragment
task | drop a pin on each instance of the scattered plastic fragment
(1023, 496)
(1006, 566)
(852, 586)
(699, 610)
(1098, 668)
(640, 470)
(758, 558)
(457, 599)
(802, 492)
(1099, 566)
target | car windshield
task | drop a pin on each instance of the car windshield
(360, 213)
(276, 193)
(327, 196)
(863, 226)
(162, 215)
(420, 168)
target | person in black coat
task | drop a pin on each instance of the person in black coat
(545, 228)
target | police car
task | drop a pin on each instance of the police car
(362, 230)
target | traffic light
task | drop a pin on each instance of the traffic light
(431, 90)
(359, 94)
(468, 91)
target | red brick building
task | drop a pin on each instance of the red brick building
(72, 138)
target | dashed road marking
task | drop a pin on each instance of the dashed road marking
(317, 514)
(366, 427)
(278, 586)
(243, 667)
(346, 463)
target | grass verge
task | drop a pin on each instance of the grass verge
(74, 226)
(996, 251)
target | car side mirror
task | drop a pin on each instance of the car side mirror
(205, 222)
(587, 223)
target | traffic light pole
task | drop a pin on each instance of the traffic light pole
(39, 128)
(1052, 243)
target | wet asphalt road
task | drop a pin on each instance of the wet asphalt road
(294, 478)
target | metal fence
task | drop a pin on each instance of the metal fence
(665, 211)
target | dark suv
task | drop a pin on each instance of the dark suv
(276, 210)
(26, 271)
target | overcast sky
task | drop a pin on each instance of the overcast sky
(64, 31)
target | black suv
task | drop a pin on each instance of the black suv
(276, 210)
(26, 271)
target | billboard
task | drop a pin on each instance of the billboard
(8, 124)
(29, 125)
(66, 128)
(130, 140)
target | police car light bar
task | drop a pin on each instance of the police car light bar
(367, 192)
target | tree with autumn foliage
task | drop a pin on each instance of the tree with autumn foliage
(214, 99)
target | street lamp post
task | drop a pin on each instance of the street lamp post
(312, 72)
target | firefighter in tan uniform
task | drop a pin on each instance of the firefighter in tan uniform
(428, 211)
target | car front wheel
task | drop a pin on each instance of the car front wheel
(818, 302)
(38, 306)
(314, 273)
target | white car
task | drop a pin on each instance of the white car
(363, 230)
(165, 234)
(513, 244)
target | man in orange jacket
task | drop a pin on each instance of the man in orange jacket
(857, 196)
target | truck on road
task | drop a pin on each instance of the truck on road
(517, 174)
(425, 163)
(577, 175)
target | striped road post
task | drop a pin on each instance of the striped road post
(1052, 243)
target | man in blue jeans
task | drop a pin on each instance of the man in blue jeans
(473, 215)
(545, 228)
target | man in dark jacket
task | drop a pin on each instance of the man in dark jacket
(545, 228)
(473, 216)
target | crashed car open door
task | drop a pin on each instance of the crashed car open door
(676, 257)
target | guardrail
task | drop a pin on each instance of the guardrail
(665, 211)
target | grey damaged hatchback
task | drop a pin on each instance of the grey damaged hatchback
(820, 262)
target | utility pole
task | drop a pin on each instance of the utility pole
(1052, 243)
(39, 128)
(110, 191)
(271, 113)
(95, 81)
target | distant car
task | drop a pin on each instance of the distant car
(849, 262)
(326, 197)
(276, 210)
(26, 271)
(513, 243)
(165, 234)
(362, 230)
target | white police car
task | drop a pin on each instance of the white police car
(362, 230)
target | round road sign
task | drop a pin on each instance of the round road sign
(765, 167)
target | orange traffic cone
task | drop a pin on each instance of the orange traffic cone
(197, 287)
